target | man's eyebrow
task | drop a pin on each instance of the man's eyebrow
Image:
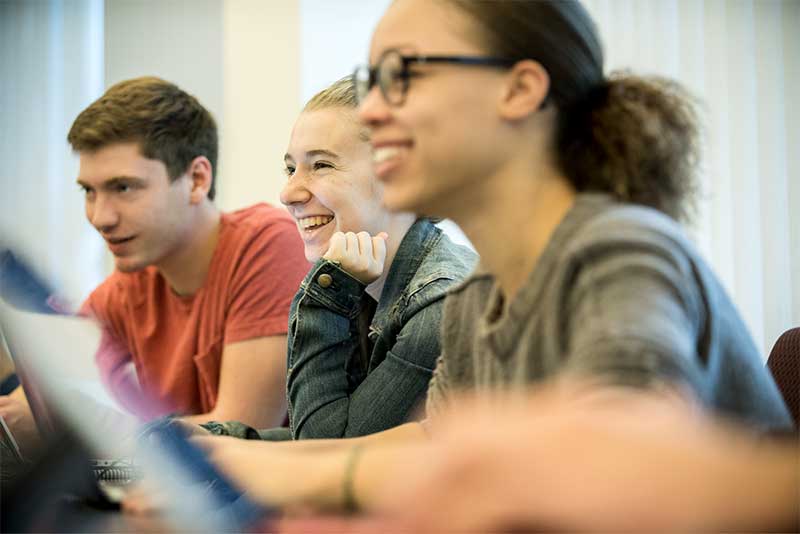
(112, 181)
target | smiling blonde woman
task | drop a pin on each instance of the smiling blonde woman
(364, 326)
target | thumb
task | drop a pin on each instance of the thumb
(383, 235)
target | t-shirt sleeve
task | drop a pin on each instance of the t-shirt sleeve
(267, 276)
(611, 340)
(113, 359)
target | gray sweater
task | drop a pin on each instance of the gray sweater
(620, 295)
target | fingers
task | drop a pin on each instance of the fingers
(353, 248)
(337, 247)
(364, 246)
(379, 247)
(140, 501)
(8, 400)
(359, 254)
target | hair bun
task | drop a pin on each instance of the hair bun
(635, 137)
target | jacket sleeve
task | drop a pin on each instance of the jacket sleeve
(323, 335)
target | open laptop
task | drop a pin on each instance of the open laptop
(113, 475)
(54, 356)
(9, 442)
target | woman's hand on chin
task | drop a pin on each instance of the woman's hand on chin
(361, 255)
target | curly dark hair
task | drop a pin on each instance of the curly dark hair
(633, 137)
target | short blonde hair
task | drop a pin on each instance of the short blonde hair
(340, 94)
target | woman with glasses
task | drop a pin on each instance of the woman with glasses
(499, 116)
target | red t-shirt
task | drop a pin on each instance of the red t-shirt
(176, 342)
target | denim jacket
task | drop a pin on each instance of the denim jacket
(331, 392)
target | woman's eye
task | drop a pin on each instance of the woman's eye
(289, 171)
(322, 165)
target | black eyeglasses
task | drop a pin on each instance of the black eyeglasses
(391, 73)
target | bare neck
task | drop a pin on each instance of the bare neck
(187, 268)
(514, 220)
(397, 228)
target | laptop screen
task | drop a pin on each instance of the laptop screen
(58, 368)
(46, 422)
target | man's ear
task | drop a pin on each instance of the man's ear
(201, 175)
(526, 88)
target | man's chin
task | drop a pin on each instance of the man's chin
(128, 265)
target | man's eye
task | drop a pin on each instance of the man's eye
(122, 188)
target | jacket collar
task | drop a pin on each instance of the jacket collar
(413, 249)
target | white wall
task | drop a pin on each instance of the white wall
(261, 97)
(50, 68)
(179, 40)
(334, 39)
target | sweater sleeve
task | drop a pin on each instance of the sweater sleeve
(609, 338)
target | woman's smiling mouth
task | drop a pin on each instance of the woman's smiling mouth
(309, 224)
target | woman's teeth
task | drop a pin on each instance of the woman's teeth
(309, 223)
(379, 155)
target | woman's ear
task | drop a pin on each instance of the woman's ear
(202, 175)
(526, 89)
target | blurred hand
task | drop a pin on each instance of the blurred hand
(571, 460)
(360, 255)
(148, 496)
(145, 498)
(18, 416)
(190, 429)
(276, 475)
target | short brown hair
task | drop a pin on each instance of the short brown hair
(169, 124)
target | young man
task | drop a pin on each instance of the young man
(196, 312)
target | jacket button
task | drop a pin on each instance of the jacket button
(324, 280)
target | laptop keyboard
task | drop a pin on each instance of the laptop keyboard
(116, 471)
